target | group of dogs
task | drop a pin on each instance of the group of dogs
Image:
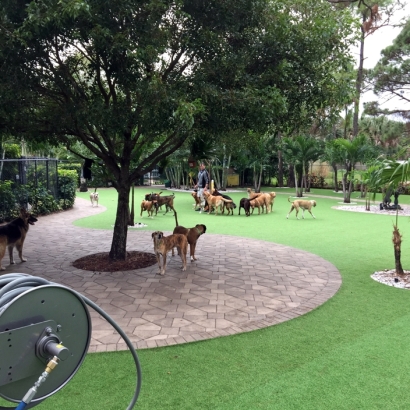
(182, 237)
(13, 234)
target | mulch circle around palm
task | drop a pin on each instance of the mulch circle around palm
(100, 262)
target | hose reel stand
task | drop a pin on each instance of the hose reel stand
(41, 323)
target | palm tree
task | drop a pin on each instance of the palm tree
(300, 151)
(394, 174)
(333, 156)
(352, 152)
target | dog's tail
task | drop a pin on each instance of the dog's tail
(289, 200)
(227, 200)
(95, 190)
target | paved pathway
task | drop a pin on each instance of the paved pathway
(236, 285)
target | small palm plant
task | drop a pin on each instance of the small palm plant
(393, 174)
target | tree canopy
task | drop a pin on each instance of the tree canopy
(391, 74)
(133, 79)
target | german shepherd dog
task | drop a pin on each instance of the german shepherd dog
(13, 235)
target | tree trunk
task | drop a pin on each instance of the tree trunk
(291, 179)
(260, 179)
(131, 219)
(119, 241)
(336, 182)
(296, 180)
(359, 82)
(280, 169)
(397, 250)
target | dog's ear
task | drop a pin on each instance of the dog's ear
(204, 228)
(153, 234)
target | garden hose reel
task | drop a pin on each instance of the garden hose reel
(36, 325)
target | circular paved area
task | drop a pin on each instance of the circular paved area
(236, 285)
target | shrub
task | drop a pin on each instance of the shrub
(7, 201)
(41, 201)
(67, 186)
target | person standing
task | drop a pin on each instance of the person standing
(202, 184)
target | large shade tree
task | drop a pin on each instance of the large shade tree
(133, 79)
(391, 75)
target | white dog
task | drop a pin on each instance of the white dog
(94, 197)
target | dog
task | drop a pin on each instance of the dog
(94, 197)
(268, 197)
(13, 235)
(301, 204)
(168, 201)
(258, 202)
(148, 206)
(216, 202)
(197, 200)
(192, 235)
(163, 244)
(245, 203)
(230, 206)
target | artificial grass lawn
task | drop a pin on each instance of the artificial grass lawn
(350, 353)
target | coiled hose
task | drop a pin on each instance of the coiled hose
(14, 284)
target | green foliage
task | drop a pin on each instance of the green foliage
(7, 200)
(67, 187)
(12, 150)
(391, 74)
(41, 201)
(74, 166)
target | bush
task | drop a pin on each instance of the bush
(41, 201)
(7, 201)
(67, 186)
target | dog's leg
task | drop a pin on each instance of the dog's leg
(311, 213)
(183, 250)
(20, 251)
(11, 247)
(158, 255)
(192, 251)
(2, 253)
(164, 263)
(291, 209)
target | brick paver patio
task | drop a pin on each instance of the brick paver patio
(236, 285)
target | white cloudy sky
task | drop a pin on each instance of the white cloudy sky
(374, 44)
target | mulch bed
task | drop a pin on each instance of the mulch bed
(100, 262)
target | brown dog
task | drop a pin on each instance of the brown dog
(148, 206)
(301, 204)
(216, 202)
(168, 201)
(163, 244)
(257, 202)
(245, 203)
(192, 235)
(13, 235)
(197, 200)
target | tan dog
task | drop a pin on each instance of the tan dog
(258, 202)
(163, 244)
(301, 204)
(148, 206)
(94, 197)
(13, 234)
(197, 200)
(216, 202)
(192, 235)
(269, 198)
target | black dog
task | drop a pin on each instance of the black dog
(217, 193)
(245, 203)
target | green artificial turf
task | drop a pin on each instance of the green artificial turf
(350, 353)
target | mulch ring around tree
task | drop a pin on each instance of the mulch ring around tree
(100, 262)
